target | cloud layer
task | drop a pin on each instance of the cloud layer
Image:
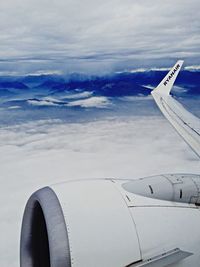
(97, 36)
(40, 153)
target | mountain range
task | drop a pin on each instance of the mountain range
(115, 85)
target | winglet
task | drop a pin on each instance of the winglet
(167, 83)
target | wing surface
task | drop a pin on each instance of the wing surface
(185, 123)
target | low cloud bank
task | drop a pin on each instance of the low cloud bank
(45, 152)
(98, 102)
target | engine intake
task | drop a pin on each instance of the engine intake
(44, 238)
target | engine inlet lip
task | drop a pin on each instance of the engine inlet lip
(59, 251)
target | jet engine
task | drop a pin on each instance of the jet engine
(150, 222)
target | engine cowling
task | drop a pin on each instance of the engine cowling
(111, 223)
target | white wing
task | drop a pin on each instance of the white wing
(186, 124)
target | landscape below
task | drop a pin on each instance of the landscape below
(34, 97)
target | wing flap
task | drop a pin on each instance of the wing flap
(165, 259)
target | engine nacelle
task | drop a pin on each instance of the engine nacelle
(183, 188)
(113, 223)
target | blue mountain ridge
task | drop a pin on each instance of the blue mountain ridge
(30, 98)
(115, 85)
(13, 84)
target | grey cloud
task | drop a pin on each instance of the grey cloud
(105, 34)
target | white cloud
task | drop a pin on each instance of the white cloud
(193, 68)
(79, 95)
(95, 101)
(46, 72)
(14, 107)
(41, 103)
(190, 68)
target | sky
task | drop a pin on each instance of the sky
(64, 36)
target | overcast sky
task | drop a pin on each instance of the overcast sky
(97, 35)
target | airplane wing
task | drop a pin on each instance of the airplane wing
(185, 123)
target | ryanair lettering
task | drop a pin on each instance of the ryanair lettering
(171, 74)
